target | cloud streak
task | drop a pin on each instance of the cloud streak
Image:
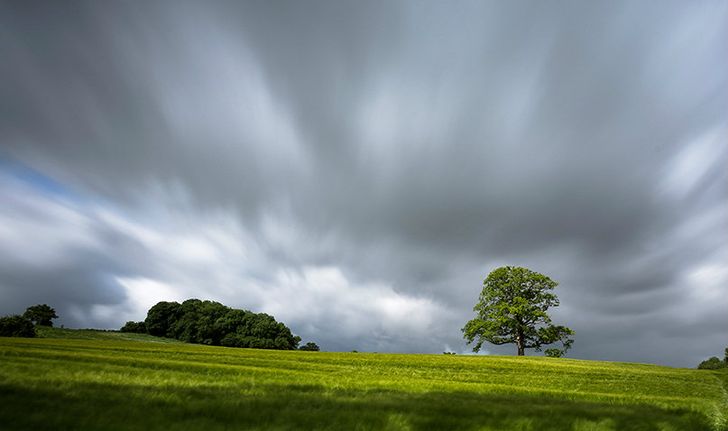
(357, 169)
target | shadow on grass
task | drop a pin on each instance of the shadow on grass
(128, 407)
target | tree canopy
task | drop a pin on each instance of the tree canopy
(512, 309)
(209, 322)
(41, 314)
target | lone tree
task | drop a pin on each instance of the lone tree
(512, 309)
(41, 314)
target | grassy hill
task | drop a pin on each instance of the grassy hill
(113, 381)
(99, 334)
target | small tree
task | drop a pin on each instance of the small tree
(41, 314)
(310, 346)
(512, 309)
(16, 326)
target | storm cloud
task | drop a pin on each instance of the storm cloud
(357, 168)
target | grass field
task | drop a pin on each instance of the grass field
(73, 380)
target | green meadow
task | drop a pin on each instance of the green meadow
(76, 380)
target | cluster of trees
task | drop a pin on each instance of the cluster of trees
(512, 310)
(209, 322)
(24, 325)
(714, 363)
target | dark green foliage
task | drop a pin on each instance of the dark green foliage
(134, 327)
(41, 314)
(310, 346)
(16, 326)
(715, 363)
(195, 322)
(512, 309)
(161, 317)
(209, 322)
(712, 364)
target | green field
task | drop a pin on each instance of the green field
(73, 380)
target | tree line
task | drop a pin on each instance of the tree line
(212, 323)
(24, 325)
(192, 321)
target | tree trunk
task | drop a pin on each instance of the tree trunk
(519, 344)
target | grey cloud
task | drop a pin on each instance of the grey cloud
(415, 144)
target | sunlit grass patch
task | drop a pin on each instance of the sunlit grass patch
(111, 383)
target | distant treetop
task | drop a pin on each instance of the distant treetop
(41, 314)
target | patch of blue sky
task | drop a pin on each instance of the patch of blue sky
(15, 170)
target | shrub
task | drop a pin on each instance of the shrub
(712, 364)
(16, 326)
(310, 347)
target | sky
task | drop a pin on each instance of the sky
(356, 169)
